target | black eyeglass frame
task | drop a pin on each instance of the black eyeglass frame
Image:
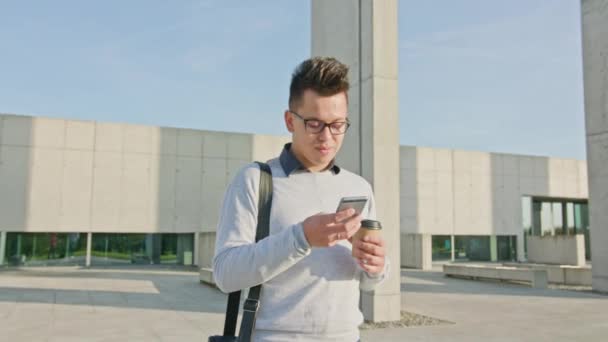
(322, 123)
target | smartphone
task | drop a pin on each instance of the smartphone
(356, 202)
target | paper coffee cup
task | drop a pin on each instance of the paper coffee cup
(368, 228)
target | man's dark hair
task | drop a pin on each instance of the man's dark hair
(325, 75)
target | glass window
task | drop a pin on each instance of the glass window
(45, 249)
(472, 248)
(442, 247)
(581, 223)
(570, 218)
(546, 219)
(557, 217)
(507, 248)
(143, 249)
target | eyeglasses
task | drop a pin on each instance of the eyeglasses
(317, 126)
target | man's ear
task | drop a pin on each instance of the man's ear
(289, 121)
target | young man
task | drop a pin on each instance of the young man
(310, 280)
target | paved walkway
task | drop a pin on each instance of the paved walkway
(70, 304)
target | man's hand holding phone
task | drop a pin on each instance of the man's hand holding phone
(325, 230)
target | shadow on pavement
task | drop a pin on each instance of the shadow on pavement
(178, 289)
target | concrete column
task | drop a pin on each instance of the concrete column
(416, 251)
(89, 246)
(2, 247)
(196, 250)
(595, 73)
(521, 253)
(453, 249)
(493, 248)
(206, 249)
(363, 34)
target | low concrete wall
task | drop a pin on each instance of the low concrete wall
(416, 251)
(562, 274)
(537, 278)
(206, 249)
(557, 250)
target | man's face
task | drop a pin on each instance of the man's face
(317, 150)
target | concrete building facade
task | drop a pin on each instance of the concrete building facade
(83, 192)
(91, 193)
(456, 203)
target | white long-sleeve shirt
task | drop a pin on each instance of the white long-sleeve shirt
(307, 293)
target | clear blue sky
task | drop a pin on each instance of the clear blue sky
(501, 76)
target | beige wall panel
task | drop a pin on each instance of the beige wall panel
(166, 188)
(409, 224)
(426, 184)
(426, 215)
(188, 194)
(109, 137)
(49, 133)
(215, 144)
(570, 167)
(189, 143)
(425, 160)
(497, 164)
(510, 186)
(108, 160)
(17, 130)
(527, 186)
(462, 218)
(211, 204)
(443, 160)
(266, 147)
(541, 186)
(139, 139)
(445, 202)
(582, 179)
(526, 166)
(46, 175)
(407, 159)
(510, 165)
(76, 190)
(214, 173)
(462, 161)
(408, 184)
(135, 193)
(556, 187)
(79, 135)
(240, 146)
(409, 207)
(480, 163)
(167, 141)
(107, 189)
(541, 167)
(14, 187)
(462, 184)
(571, 187)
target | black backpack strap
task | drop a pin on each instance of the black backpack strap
(262, 230)
(232, 313)
(250, 308)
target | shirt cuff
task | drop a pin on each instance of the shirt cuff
(381, 274)
(301, 243)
